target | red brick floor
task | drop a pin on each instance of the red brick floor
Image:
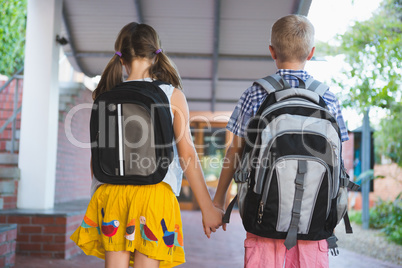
(222, 250)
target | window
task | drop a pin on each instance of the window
(210, 141)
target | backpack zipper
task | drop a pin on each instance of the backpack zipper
(259, 184)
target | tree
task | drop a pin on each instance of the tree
(373, 49)
(373, 52)
(388, 138)
(13, 15)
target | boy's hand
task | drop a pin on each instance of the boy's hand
(212, 220)
(220, 207)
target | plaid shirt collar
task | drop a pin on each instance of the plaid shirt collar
(289, 75)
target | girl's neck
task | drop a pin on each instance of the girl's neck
(138, 69)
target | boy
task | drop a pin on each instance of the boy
(292, 45)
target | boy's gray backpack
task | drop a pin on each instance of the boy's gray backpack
(291, 180)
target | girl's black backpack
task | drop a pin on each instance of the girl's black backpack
(131, 134)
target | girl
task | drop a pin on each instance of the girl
(138, 217)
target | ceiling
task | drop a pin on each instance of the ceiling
(218, 46)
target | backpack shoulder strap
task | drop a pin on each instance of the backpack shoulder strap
(226, 217)
(272, 83)
(316, 86)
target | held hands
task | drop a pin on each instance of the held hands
(212, 220)
(220, 207)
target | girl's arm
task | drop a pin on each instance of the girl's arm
(232, 156)
(211, 216)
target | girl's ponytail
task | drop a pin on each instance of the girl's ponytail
(113, 73)
(142, 41)
(111, 76)
(165, 70)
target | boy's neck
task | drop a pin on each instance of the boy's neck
(290, 65)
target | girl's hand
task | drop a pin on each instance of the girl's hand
(212, 220)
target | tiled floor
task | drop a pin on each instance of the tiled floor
(223, 250)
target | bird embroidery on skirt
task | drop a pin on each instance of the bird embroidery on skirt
(109, 228)
(88, 223)
(178, 238)
(168, 237)
(130, 232)
(146, 233)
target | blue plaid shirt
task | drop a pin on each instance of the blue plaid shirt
(253, 97)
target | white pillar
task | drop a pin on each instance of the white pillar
(40, 103)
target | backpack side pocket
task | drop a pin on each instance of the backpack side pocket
(341, 203)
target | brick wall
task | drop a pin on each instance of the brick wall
(6, 110)
(8, 235)
(387, 188)
(45, 235)
(390, 186)
(8, 186)
(72, 172)
(73, 177)
(8, 193)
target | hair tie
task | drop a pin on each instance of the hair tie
(158, 51)
(118, 53)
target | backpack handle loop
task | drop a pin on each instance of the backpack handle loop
(276, 82)
(297, 92)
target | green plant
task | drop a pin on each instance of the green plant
(13, 15)
(385, 215)
(355, 216)
(392, 224)
(380, 213)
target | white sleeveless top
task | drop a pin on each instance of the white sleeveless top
(174, 174)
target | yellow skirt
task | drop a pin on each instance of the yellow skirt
(128, 218)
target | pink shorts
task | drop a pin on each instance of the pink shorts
(261, 252)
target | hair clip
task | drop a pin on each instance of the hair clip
(118, 53)
(158, 51)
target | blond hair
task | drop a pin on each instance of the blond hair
(292, 37)
(137, 41)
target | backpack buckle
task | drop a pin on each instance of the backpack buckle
(260, 212)
(332, 246)
(241, 176)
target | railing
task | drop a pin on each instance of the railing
(13, 118)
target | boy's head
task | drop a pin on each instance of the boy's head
(292, 38)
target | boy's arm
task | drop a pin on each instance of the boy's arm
(232, 156)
